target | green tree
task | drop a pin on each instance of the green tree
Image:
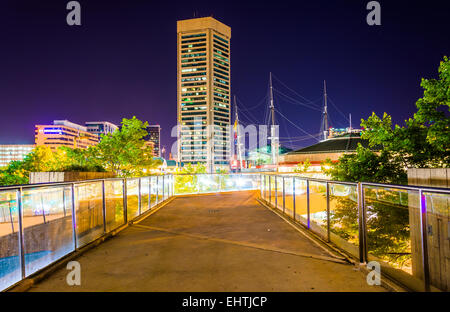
(303, 167)
(422, 142)
(326, 165)
(367, 166)
(434, 106)
(407, 145)
(14, 174)
(125, 152)
(186, 181)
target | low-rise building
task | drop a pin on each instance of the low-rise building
(64, 133)
(332, 149)
(11, 152)
(100, 127)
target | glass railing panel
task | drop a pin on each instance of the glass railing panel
(47, 226)
(289, 196)
(162, 182)
(209, 183)
(88, 212)
(264, 187)
(212, 183)
(394, 229)
(166, 186)
(438, 235)
(246, 182)
(145, 182)
(186, 184)
(153, 190)
(272, 190)
(318, 207)
(172, 185)
(344, 225)
(301, 208)
(279, 198)
(114, 204)
(10, 269)
(132, 198)
(160, 188)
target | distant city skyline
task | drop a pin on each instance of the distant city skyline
(109, 67)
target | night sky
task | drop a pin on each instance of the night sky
(121, 61)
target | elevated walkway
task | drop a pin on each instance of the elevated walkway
(219, 242)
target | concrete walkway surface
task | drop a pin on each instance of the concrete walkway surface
(220, 242)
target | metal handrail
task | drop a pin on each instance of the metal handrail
(395, 186)
(49, 184)
(362, 210)
(19, 190)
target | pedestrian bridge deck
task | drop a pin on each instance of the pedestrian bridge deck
(220, 242)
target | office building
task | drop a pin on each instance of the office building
(10, 152)
(204, 85)
(154, 134)
(64, 133)
(100, 127)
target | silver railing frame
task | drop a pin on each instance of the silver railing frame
(362, 211)
(18, 189)
(167, 188)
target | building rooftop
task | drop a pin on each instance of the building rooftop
(268, 150)
(195, 24)
(341, 144)
(69, 124)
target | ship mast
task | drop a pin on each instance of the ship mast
(325, 111)
(273, 134)
(238, 137)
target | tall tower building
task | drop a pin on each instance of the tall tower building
(204, 86)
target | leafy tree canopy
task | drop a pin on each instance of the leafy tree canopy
(303, 166)
(423, 141)
(125, 151)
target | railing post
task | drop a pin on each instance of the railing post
(157, 189)
(173, 185)
(276, 193)
(74, 217)
(125, 201)
(308, 217)
(424, 232)
(64, 200)
(139, 196)
(163, 188)
(270, 189)
(362, 224)
(149, 192)
(21, 232)
(261, 185)
(284, 195)
(104, 205)
(293, 196)
(328, 212)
